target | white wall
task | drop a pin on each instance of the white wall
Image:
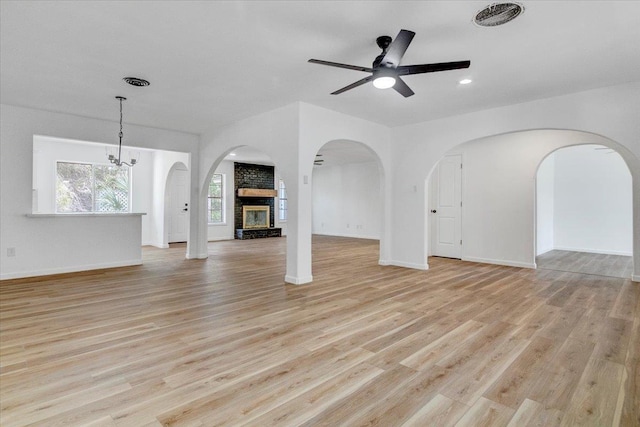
(346, 200)
(544, 205)
(592, 201)
(53, 244)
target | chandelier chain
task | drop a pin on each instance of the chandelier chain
(118, 160)
(120, 134)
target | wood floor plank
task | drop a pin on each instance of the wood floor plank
(364, 398)
(486, 413)
(512, 387)
(531, 413)
(630, 387)
(557, 381)
(318, 399)
(595, 400)
(439, 411)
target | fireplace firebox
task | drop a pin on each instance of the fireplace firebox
(255, 217)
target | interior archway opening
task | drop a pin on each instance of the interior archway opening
(499, 202)
(347, 199)
(245, 201)
(584, 212)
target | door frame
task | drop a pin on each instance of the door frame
(432, 204)
(167, 206)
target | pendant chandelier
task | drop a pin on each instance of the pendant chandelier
(118, 160)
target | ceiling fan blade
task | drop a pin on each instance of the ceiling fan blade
(402, 88)
(352, 85)
(398, 47)
(339, 65)
(405, 70)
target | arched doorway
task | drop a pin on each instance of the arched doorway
(499, 208)
(242, 201)
(348, 193)
(176, 206)
(584, 214)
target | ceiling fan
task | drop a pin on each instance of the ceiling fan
(386, 69)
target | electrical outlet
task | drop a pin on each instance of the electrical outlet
(11, 252)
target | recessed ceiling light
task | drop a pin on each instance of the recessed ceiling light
(232, 154)
(465, 81)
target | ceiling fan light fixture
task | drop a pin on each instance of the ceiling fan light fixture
(384, 82)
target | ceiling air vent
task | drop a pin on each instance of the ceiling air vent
(497, 14)
(136, 81)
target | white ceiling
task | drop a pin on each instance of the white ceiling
(213, 63)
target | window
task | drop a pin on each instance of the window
(216, 199)
(86, 187)
(282, 201)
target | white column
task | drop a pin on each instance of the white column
(299, 231)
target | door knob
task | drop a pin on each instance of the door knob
(185, 209)
(433, 211)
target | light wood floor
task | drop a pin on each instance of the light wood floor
(224, 341)
(582, 262)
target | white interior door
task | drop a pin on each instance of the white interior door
(446, 208)
(179, 206)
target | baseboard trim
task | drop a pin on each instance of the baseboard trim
(197, 256)
(219, 239)
(351, 236)
(63, 270)
(414, 266)
(544, 251)
(593, 251)
(501, 262)
(635, 277)
(298, 280)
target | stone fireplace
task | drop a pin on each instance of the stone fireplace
(255, 201)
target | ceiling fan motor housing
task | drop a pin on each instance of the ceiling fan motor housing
(383, 43)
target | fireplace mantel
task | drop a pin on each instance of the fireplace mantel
(257, 192)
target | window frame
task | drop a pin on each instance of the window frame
(93, 189)
(283, 186)
(223, 200)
